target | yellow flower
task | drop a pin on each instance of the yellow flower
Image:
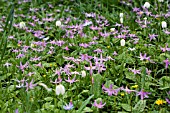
(44, 75)
(122, 94)
(108, 46)
(135, 86)
(160, 102)
(51, 65)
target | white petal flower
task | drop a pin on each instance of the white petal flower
(122, 42)
(164, 24)
(60, 89)
(121, 15)
(83, 73)
(22, 25)
(121, 20)
(58, 23)
(112, 29)
(146, 5)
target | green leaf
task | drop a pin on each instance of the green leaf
(97, 85)
(140, 106)
(126, 107)
(84, 104)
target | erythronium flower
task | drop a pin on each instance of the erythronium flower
(127, 90)
(83, 73)
(166, 63)
(164, 24)
(58, 80)
(146, 5)
(165, 48)
(68, 106)
(143, 94)
(98, 105)
(30, 85)
(91, 68)
(152, 36)
(71, 81)
(144, 57)
(60, 89)
(167, 100)
(135, 71)
(110, 90)
(22, 67)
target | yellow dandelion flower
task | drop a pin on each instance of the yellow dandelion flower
(51, 65)
(108, 46)
(44, 75)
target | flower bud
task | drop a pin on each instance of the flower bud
(121, 15)
(121, 20)
(60, 89)
(83, 73)
(122, 42)
(58, 23)
(22, 25)
(164, 24)
(112, 29)
(146, 5)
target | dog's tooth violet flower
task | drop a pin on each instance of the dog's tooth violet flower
(58, 23)
(164, 24)
(68, 106)
(121, 15)
(22, 25)
(122, 42)
(146, 5)
(60, 89)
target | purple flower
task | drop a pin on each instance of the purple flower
(110, 90)
(98, 105)
(152, 36)
(135, 71)
(167, 100)
(166, 63)
(127, 90)
(144, 57)
(68, 106)
(143, 94)
(16, 111)
(30, 85)
(71, 81)
(91, 68)
(22, 67)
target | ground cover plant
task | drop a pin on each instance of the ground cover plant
(98, 56)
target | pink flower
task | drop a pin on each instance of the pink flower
(98, 105)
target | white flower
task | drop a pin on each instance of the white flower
(22, 25)
(121, 20)
(83, 73)
(164, 24)
(112, 29)
(160, 0)
(59, 89)
(122, 42)
(45, 86)
(58, 23)
(121, 15)
(146, 5)
(145, 20)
